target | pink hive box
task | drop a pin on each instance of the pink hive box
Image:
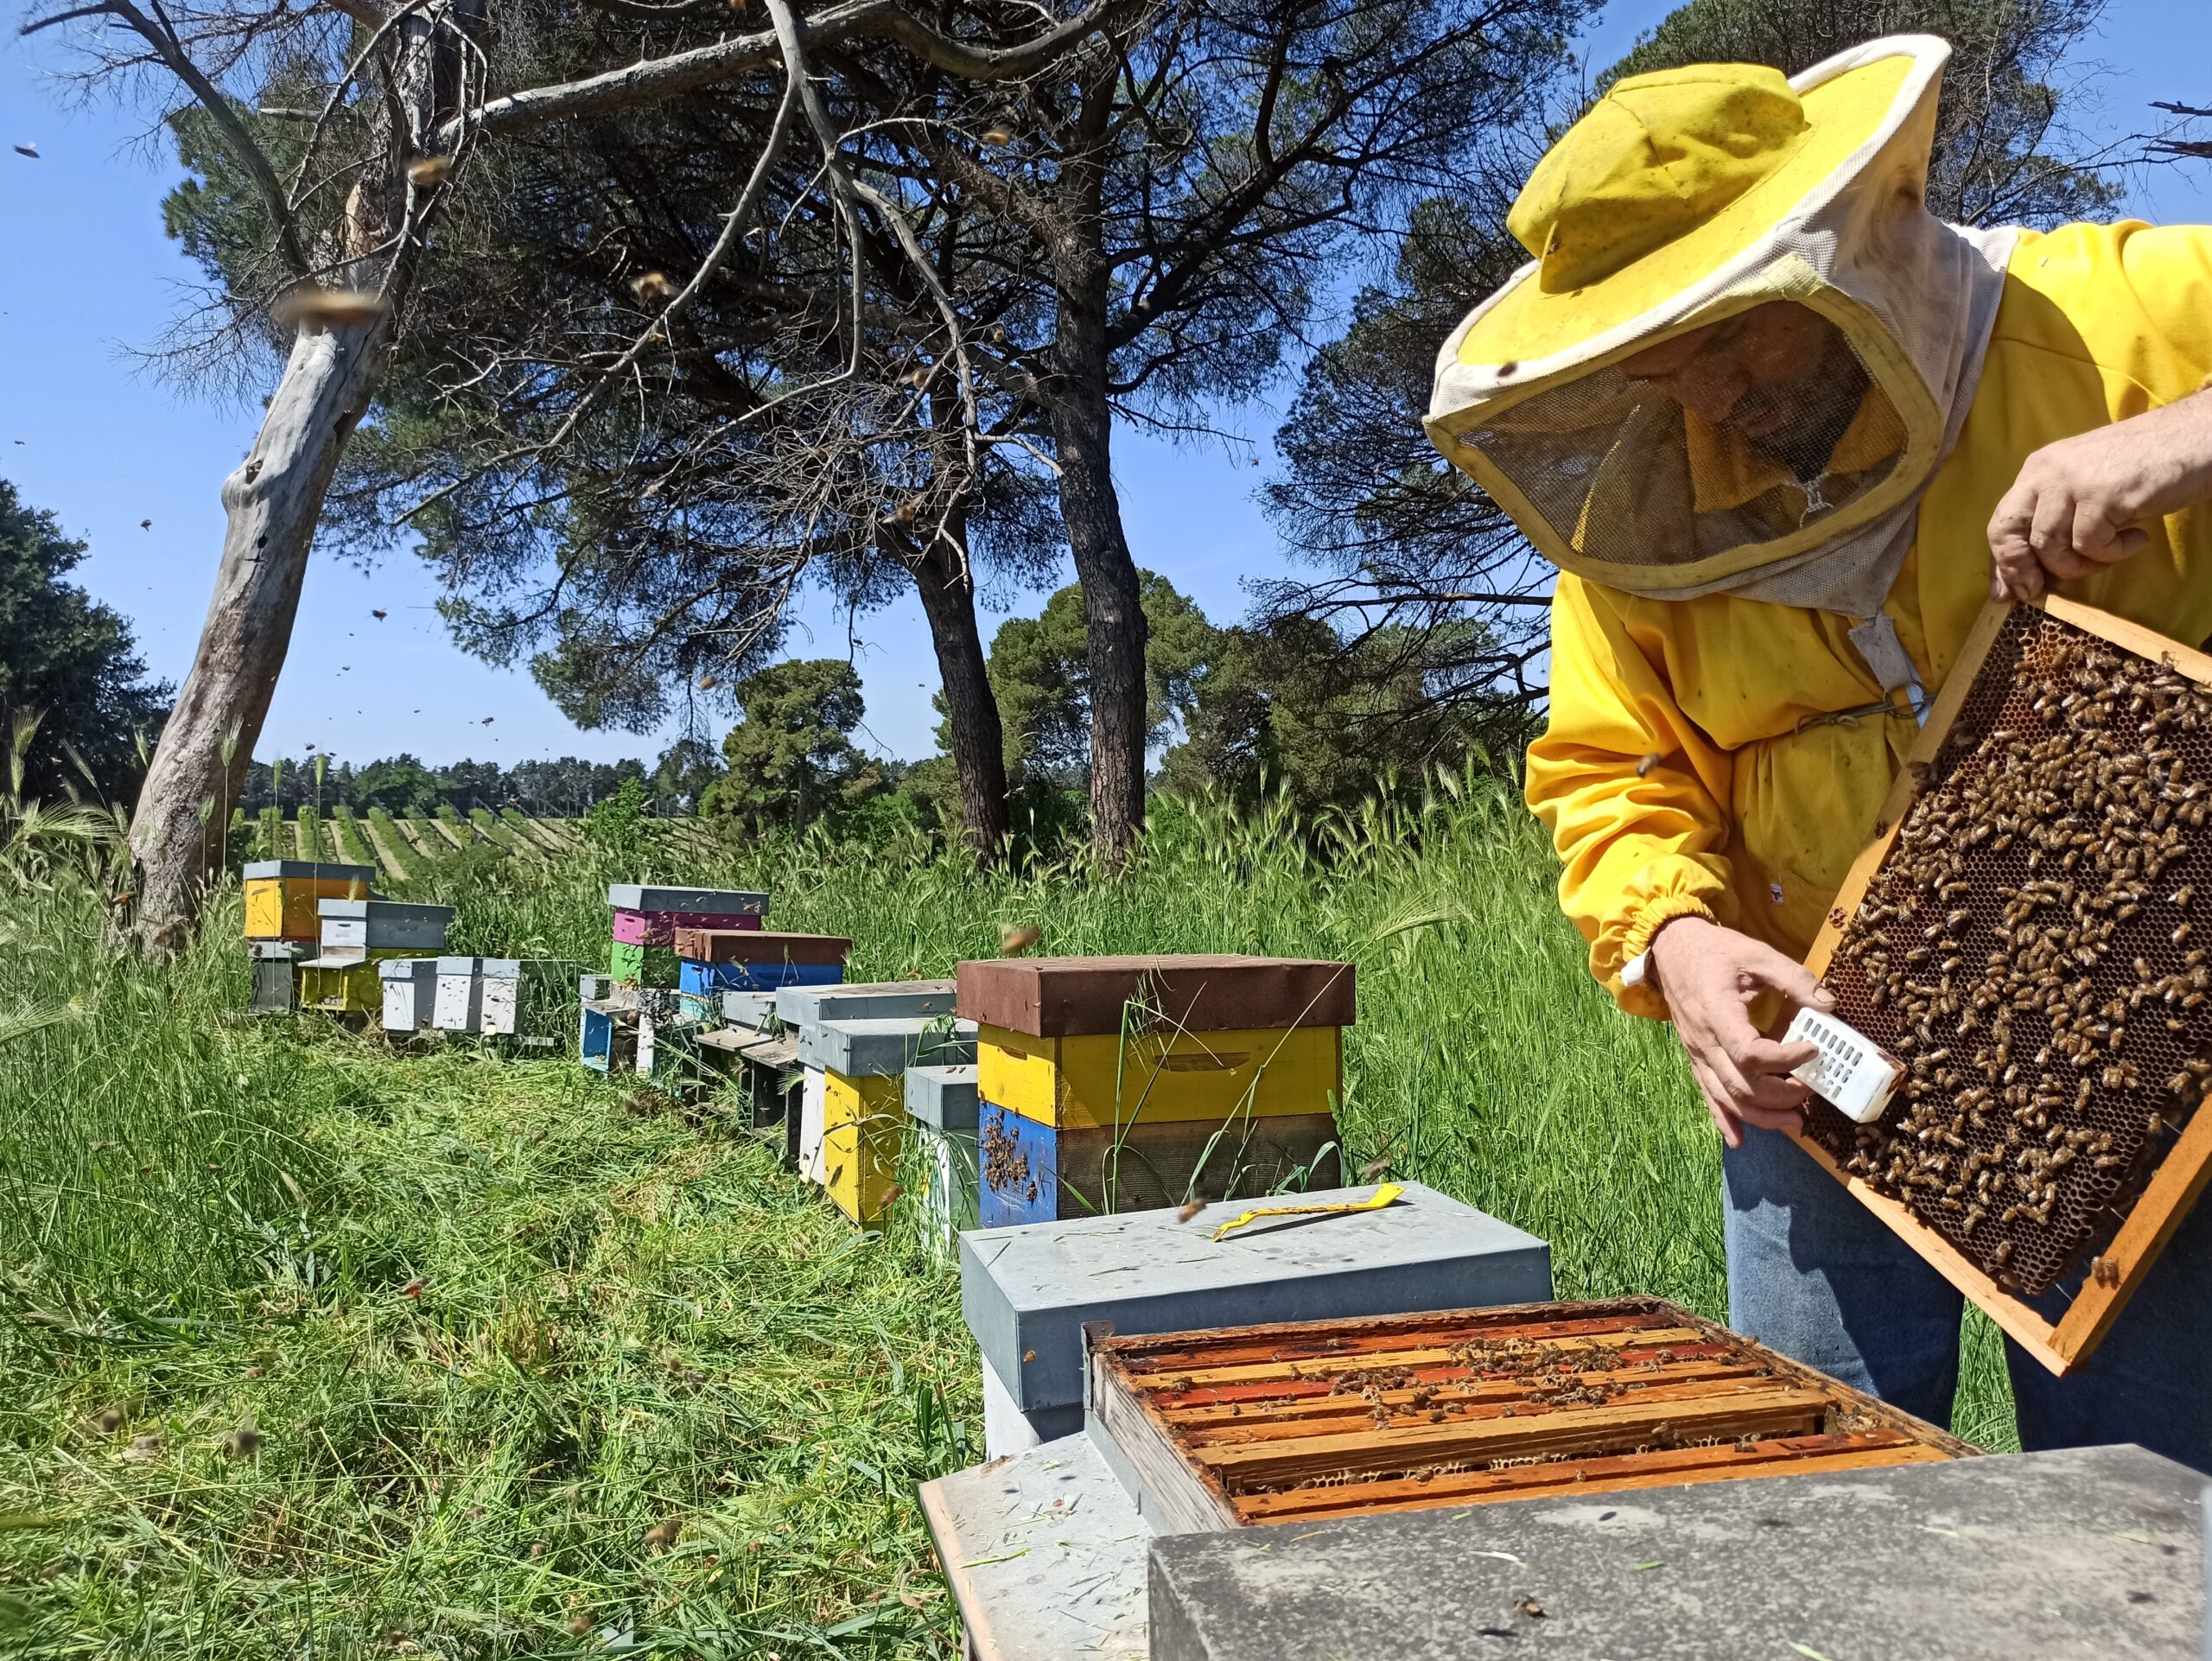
(658, 927)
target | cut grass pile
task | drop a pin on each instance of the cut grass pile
(422, 1355)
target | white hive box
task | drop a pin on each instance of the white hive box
(410, 993)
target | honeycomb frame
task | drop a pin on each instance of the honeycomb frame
(2170, 1170)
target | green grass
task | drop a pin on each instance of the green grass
(493, 1321)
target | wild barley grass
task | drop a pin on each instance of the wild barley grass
(493, 1321)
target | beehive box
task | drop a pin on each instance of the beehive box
(275, 974)
(941, 1102)
(606, 1036)
(503, 997)
(1319, 1421)
(661, 927)
(801, 1007)
(705, 979)
(382, 926)
(280, 896)
(653, 966)
(1113, 1082)
(863, 1065)
(2025, 936)
(718, 904)
(410, 989)
(714, 945)
(1027, 1293)
(348, 981)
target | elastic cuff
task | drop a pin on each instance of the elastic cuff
(1656, 915)
(1644, 998)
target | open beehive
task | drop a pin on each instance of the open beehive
(2024, 934)
(1326, 1419)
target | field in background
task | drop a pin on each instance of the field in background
(489, 1323)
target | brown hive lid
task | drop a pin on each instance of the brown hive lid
(760, 945)
(1062, 998)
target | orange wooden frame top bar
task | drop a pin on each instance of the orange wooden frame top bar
(2064, 1345)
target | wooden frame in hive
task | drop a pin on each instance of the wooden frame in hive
(1315, 1421)
(2062, 1344)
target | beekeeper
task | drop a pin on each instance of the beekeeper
(1783, 432)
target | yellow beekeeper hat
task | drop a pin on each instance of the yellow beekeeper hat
(1675, 178)
(1679, 199)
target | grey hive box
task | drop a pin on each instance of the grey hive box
(752, 1010)
(877, 1048)
(941, 1101)
(943, 1098)
(705, 902)
(1026, 1292)
(802, 1006)
(383, 925)
(2091, 1554)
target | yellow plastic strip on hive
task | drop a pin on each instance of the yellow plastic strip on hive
(863, 1133)
(1104, 1081)
(1386, 1194)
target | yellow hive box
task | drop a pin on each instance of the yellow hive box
(1091, 1080)
(280, 896)
(863, 1136)
(348, 989)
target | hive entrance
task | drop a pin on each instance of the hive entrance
(2033, 949)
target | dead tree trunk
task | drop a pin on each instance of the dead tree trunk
(948, 590)
(272, 502)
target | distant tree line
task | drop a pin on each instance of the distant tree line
(403, 784)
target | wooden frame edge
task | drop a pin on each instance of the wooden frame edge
(2183, 1174)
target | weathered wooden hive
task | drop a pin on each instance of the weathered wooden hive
(1119, 1083)
(1323, 1420)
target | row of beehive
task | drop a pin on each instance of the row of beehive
(1022, 1091)
(320, 937)
(1038, 1088)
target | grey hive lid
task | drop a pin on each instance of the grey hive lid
(263, 868)
(864, 1001)
(710, 902)
(1028, 1290)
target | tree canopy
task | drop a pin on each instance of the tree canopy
(71, 661)
(792, 757)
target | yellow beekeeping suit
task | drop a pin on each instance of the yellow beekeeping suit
(1756, 807)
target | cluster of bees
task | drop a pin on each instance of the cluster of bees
(2034, 952)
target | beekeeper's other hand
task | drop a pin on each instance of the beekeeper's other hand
(2080, 503)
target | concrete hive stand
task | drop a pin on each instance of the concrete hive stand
(2092, 1554)
(1027, 1291)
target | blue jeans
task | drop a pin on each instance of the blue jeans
(1816, 1276)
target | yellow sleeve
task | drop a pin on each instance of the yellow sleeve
(1637, 851)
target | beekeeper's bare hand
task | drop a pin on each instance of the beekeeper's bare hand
(2080, 504)
(1709, 974)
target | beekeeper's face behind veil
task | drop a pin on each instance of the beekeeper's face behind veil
(1744, 344)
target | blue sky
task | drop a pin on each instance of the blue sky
(88, 281)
